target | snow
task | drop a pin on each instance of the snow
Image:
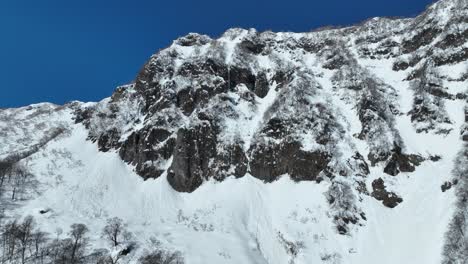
(244, 220)
(454, 71)
(241, 221)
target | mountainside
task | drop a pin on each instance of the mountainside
(344, 145)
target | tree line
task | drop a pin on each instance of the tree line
(22, 242)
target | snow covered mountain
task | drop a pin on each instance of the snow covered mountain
(344, 145)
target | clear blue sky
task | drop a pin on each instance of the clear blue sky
(63, 50)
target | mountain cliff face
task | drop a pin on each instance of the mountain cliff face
(335, 146)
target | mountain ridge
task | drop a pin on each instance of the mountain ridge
(332, 146)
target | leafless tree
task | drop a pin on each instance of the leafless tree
(79, 242)
(24, 235)
(162, 257)
(21, 177)
(8, 241)
(115, 231)
(40, 240)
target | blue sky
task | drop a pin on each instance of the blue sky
(58, 51)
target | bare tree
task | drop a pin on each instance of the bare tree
(160, 256)
(108, 259)
(8, 241)
(56, 251)
(21, 177)
(40, 240)
(24, 236)
(5, 169)
(17, 238)
(115, 231)
(79, 242)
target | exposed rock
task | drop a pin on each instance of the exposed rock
(84, 116)
(341, 198)
(230, 161)
(362, 164)
(255, 47)
(261, 85)
(401, 65)
(461, 96)
(146, 149)
(400, 162)
(195, 95)
(422, 38)
(193, 39)
(446, 186)
(108, 140)
(455, 39)
(335, 61)
(389, 199)
(440, 92)
(269, 162)
(451, 58)
(193, 150)
(197, 156)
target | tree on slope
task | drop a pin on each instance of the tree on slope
(115, 231)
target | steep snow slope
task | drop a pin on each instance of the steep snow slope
(337, 146)
(238, 220)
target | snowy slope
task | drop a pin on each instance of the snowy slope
(266, 147)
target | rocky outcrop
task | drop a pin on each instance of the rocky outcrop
(400, 162)
(389, 199)
(261, 103)
(194, 149)
(270, 162)
(199, 156)
(147, 149)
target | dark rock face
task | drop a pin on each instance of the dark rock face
(84, 116)
(108, 140)
(146, 148)
(281, 78)
(424, 37)
(363, 167)
(261, 85)
(193, 39)
(277, 148)
(389, 199)
(270, 162)
(440, 92)
(453, 40)
(193, 150)
(401, 65)
(202, 104)
(252, 46)
(231, 161)
(400, 162)
(197, 157)
(335, 61)
(446, 186)
(451, 58)
(146, 84)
